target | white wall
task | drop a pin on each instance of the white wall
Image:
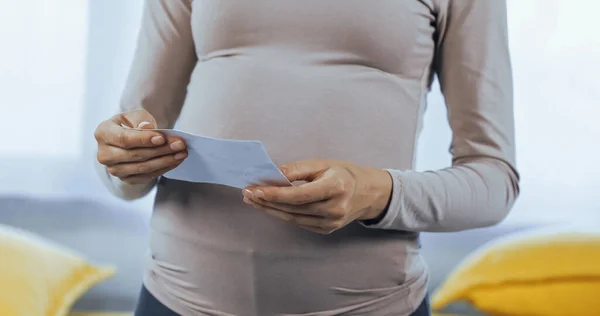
(62, 67)
(113, 28)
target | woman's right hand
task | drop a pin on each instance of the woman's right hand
(134, 156)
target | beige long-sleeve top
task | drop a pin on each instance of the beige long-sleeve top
(321, 79)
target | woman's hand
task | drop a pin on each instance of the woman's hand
(134, 156)
(335, 194)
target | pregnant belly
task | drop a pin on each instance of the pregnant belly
(211, 252)
(216, 253)
(302, 111)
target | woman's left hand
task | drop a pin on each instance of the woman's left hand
(335, 194)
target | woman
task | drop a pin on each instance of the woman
(336, 91)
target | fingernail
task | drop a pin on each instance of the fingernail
(157, 140)
(142, 124)
(247, 193)
(180, 155)
(177, 146)
(259, 194)
(247, 201)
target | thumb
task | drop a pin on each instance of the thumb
(307, 170)
(140, 119)
(146, 125)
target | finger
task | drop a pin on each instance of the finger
(318, 190)
(331, 209)
(306, 170)
(317, 230)
(111, 155)
(114, 134)
(319, 226)
(139, 118)
(291, 209)
(146, 125)
(147, 178)
(281, 215)
(146, 167)
(312, 209)
(301, 220)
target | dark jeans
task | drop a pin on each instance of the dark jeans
(150, 306)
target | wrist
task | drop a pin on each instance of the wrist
(381, 192)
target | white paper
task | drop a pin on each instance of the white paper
(235, 163)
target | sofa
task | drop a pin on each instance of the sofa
(116, 233)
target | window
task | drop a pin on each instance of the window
(556, 61)
(556, 56)
(42, 73)
(62, 66)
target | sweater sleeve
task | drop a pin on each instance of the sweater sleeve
(160, 72)
(474, 70)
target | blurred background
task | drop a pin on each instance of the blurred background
(63, 64)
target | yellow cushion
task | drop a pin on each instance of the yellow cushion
(542, 272)
(130, 314)
(39, 278)
(99, 314)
